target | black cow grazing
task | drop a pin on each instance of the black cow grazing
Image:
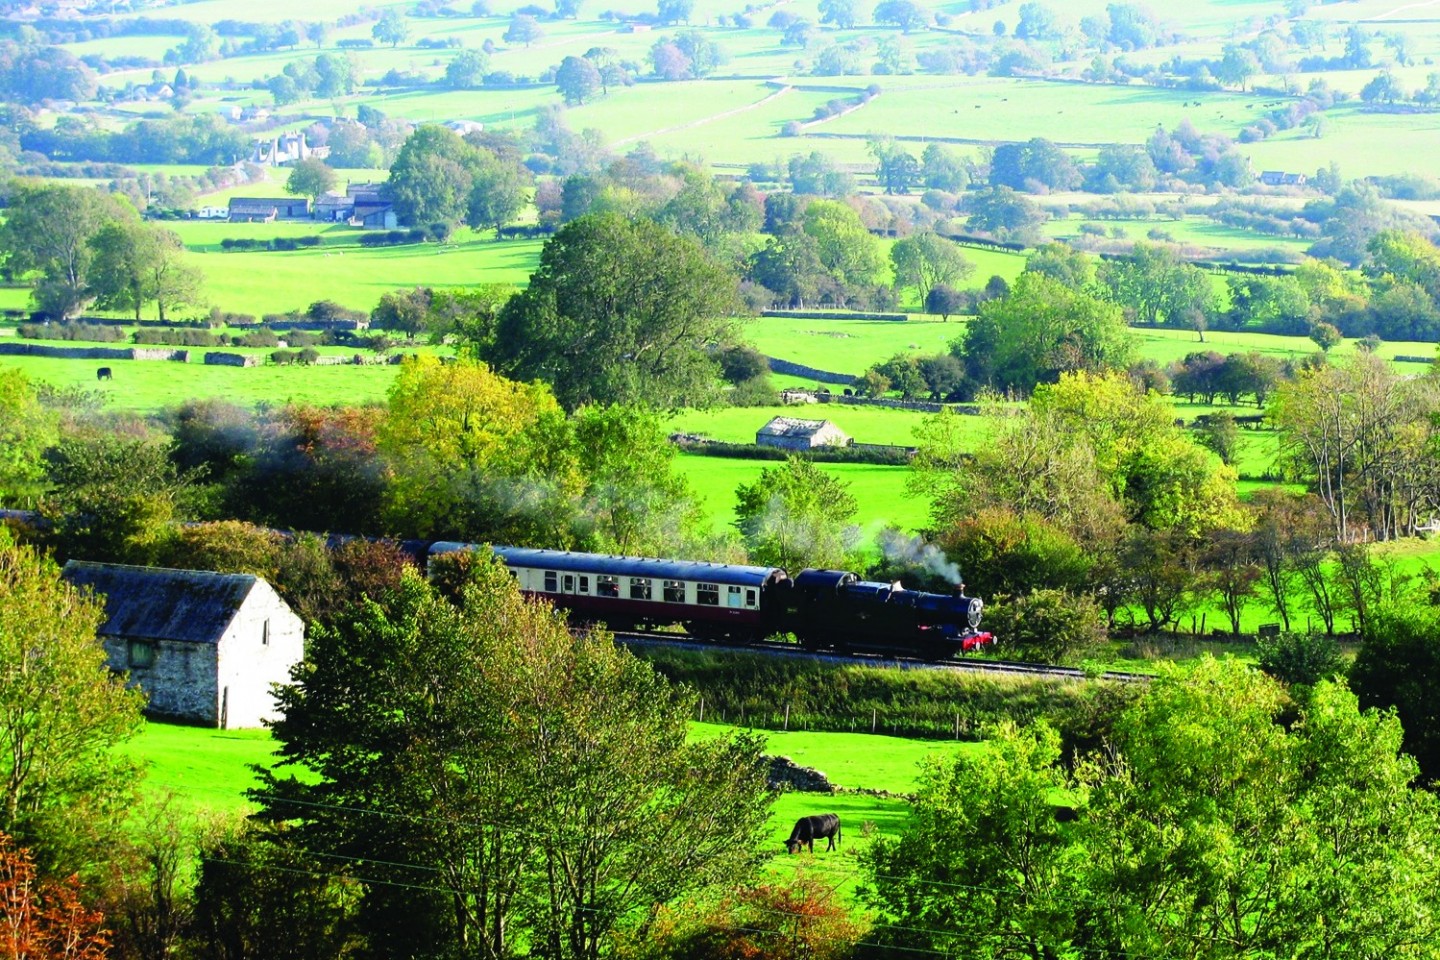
(825, 826)
(103, 373)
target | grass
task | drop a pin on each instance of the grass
(880, 492)
(147, 386)
(274, 282)
(848, 346)
(205, 771)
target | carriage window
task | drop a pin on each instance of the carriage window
(569, 581)
(749, 598)
(639, 588)
(674, 591)
(584, 584)
(552, 584)
(734, 597)
(606, 586)
(707, 594)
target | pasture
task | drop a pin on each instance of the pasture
(204, 773)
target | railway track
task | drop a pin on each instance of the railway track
(976, 665)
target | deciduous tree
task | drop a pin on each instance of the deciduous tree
(796, 515)
(63, 714)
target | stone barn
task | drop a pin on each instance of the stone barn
(790, 433)
(205, 647)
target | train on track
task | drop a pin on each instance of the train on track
(823, 609)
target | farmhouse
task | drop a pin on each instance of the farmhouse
(790, 433)
(266, 209)
(1280, 178)
(205, 647)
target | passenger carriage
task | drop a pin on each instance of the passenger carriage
(708, 599)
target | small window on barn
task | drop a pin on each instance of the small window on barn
(552, 582)
(607, 586)
(707, 594)
(674, 591)
(265, 633)
(734, 597)
(639, 588)
(142, 654)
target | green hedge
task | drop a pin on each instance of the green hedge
(754, 689)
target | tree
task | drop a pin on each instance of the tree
(1048, 625)
(577, 79)
(848, 251)
(1004, 213)
(981, 823)
(1325, 335)
(47, 233)
(943, 169)
(675, 11)
(499, 190)
(1023, 166)
(895, 167)
(945, 300)
(1041, 330)
(317, 32)
(481, 741)
(926, 261)
(46, 920)
(112, 497)
(1237, 66)
(619, 311)
(523, 29)
(905, 14)
(27, 429)
(391, 28)
(797, 515)
(1158, 286)
(62, 716)
(467, 71)
(310, 178)
(843, 13)
(477, 457)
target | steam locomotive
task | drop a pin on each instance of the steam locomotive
(823, 609)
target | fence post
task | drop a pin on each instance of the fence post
(957, 724)
(702, 709)
(787, 716)
(874, 716)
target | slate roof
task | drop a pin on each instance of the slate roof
(155, 603)
(793, 427)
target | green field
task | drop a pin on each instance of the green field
(880, 492)
(206, 772)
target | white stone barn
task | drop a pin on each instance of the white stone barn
(205, 647)
(791, 433)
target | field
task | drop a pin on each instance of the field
(205, 772)
(879, 491)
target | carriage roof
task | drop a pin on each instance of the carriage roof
(603, 564)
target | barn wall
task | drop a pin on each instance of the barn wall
(180, 685)
(249, 668)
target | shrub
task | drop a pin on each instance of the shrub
(1305, 658)
(309, 355)
(1047, 625)
(283, 357)
(311, 241)
(256, 338)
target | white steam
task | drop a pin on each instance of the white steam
(916, 552)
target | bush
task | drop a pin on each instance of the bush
(256, 338)
(1047, 625)
(87, 332)
(309, 355)
(1305, 658)
(283, 358)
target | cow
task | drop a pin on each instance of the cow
(825, 826)
(103, 373)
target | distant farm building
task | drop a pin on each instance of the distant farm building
(205, 647)
(361, 205)
(267, 209)
(285, 150)
(790, 433)
(1279, 178)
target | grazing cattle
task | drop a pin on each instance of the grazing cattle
(103, 373)
(825, 826)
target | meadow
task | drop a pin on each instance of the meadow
(203, 773)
